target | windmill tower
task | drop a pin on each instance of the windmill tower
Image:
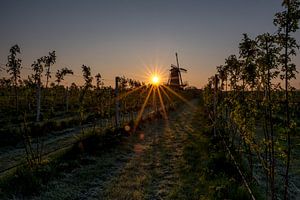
(175, 79)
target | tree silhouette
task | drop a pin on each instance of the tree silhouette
(14, 67)
(287, 23)
(234, 69)
(86, 73)
(38, 70)
(99, 82)
(248, 51)
(267, 63)
(60, 74)
(49, 60)
(222, 71)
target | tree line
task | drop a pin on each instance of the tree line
(250, 106)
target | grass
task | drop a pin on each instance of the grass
(182, 161)
(26, 181)
(153, 169)
(206, 171)
(174, 159)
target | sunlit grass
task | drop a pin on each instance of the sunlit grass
(162, 104)
(142, 108)
(179, 96)
(166, 94)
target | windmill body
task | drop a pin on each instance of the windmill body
(175, 79)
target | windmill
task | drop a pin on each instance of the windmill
(175, 79)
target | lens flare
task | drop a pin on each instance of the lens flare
(155, 80)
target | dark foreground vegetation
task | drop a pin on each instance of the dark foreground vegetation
(178, 158)
(254, 106)
(139, 141)
(208, 171)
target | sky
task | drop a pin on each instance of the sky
(125, 37)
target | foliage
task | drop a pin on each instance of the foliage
(255, 113)
(60, 74)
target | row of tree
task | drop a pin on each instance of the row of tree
(41, 67)
(248, 96)
(42, 100)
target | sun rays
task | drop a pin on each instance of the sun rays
(142, 108)
(155, 96)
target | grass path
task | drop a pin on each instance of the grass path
(146, 166)
(154, 170)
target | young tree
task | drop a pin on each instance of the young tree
(60, 74)
(86, 72)
(14, 67)
(37, 77)
(222, 71)
(248, 52)
(99, 82)
(49, 60)
(233, 66)
(287, 23)
(267, 63)
(29, 85)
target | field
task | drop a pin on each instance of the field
(161, 160)
(163, 146)
(70, 130)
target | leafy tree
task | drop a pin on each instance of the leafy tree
(234, 70)
(29, 85)
(287, 23)
(86, 73)
(99, 82)
(267, 63)
(60, 74)
(37, 77)
(14, 67)
(248, 53)
(49, 60)
(252, 95)
(223, 74)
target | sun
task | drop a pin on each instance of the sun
(155, 80)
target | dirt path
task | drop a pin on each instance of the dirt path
(145, 167)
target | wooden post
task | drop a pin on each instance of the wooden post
(117, 114)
